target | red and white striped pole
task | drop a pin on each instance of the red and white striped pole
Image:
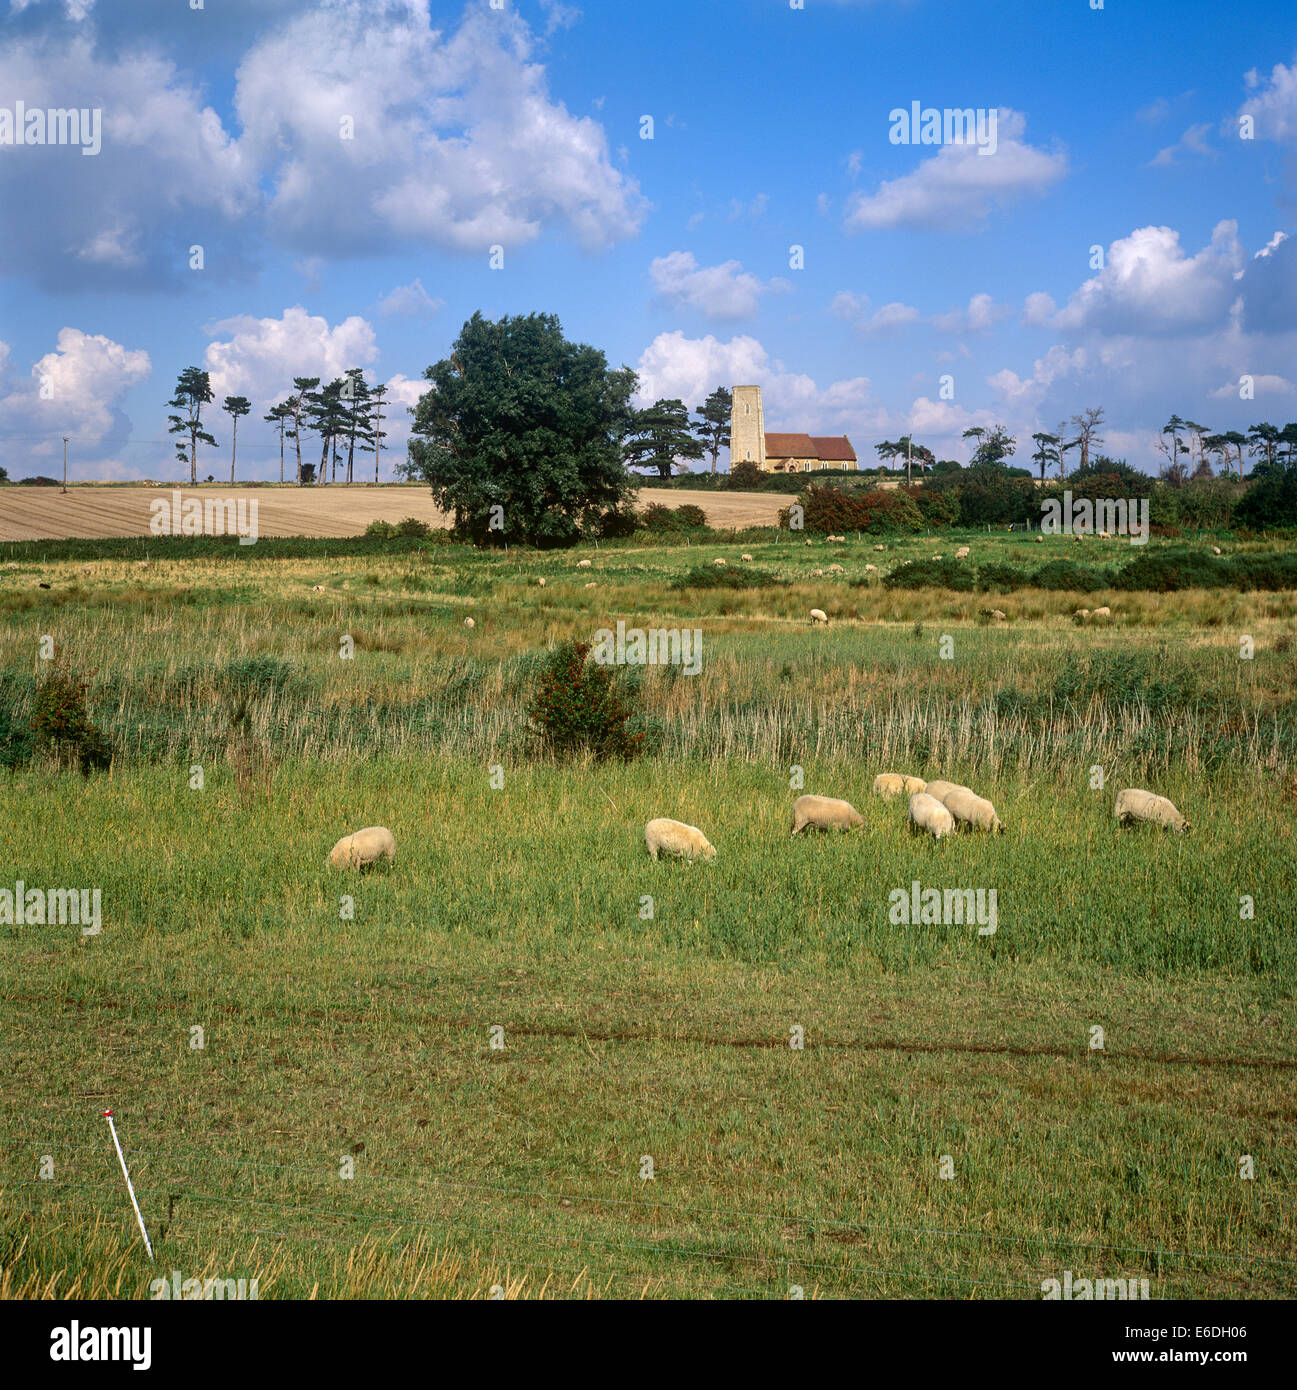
(121, 1158)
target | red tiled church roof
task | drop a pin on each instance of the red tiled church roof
(790, 446)
(833, 448)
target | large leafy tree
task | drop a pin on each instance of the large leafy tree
(659, 435)
(521, 419)
(235, 407)
(713, 424)
(193, 392)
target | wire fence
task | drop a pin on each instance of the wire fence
(693, 1251)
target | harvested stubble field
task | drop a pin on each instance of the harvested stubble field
(89, 512)
(369, 1037)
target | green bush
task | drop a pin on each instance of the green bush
(1067, 574)
(726, 577)
(578, 707)
(1168, 570)
(61, 722)
(1001, 579)
(673, 520)
(745, 476)
(383, 529)
(931, 574)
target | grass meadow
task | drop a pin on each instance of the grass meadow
(524, 1060)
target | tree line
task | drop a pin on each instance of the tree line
(345, 415)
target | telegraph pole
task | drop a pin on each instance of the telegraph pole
(65, 463)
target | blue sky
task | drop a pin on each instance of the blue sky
(521, 127)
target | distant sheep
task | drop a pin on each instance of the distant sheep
(745, 557)
(583, 564)
(889, 784)
(1104, 612)
(1040, 540)
(871, 569)
(1134, 804)
(541, 582)
(928, 814)
(591, 585)
(468, 622)
(366, 846)
(817, 574)
(962, 553)
(936, 557)
(835, 569)
(996, 615)
(665, 836)
(970, 809)
(941, 789)
(880, 547)
(824, 813)
(1081, 614)
(818, 615)
(718, 563)
(1215, 550)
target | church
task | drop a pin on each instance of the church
(781, 453)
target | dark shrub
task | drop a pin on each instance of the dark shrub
(931, 574)
(1168, 570)
(1067, 574)
(578, 707)
(745, 476)
(834, 509)
(1001, 579)
(411, 526)
(60, 720)
(721, 577)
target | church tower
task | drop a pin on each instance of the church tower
(747, 427)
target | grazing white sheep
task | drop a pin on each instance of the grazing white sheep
(666, 836)
(889, 784)
(317, 588)
(997, 615)
(1040, 540)
(1215, 550)
(941, 789)
(818, 615)
(366, 846)
(927, 813)
(871, 569)
(809, 541)
(970, 809)
(468, 622)
(583, 564)
(1082, 614)
(745, 557)
(1104, 612)
(591, 585)
(542, 582)
(817, 574)
(718, 563)
(1134, 804)
(824, 813)
(880, 547)
(962, 553)
(835, 569)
